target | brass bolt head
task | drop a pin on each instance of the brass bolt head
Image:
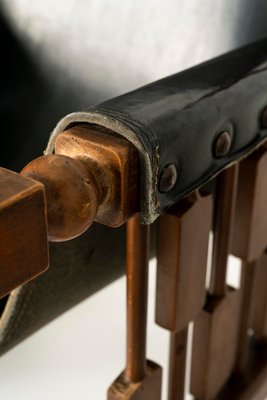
(168, 178)
(222, 144)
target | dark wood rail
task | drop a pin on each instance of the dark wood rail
(93, 176)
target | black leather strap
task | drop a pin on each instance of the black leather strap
(176, 120)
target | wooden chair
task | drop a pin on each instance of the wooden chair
(189, 152)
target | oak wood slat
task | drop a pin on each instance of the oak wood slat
(258, 303)
(177, 364)
(250, 225)
(249, 243)
(216, 327)
(183, 238)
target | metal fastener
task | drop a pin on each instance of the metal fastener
(168, 178)
(264, 118)
(222, 144)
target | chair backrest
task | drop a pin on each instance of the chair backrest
(84, 52)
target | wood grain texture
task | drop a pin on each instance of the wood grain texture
(252, 384)
(23, 230)
(224, 209)
(246, 288)
(177, 365)
(72, 195)
(250, 224)
(258, 302)
(92, 177)
(214, 346)
(249, 243)
(146, 389)
(216, 327)
(183, 237)
(113, 161)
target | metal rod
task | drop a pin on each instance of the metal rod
(137, 256)
(225, 199)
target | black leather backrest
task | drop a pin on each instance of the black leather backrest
(89, 50)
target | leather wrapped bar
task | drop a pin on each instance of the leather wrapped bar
(176, 120)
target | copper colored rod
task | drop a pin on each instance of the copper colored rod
(137, 256)
(225, 199)
(177, 365)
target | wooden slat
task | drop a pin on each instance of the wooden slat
(215, 329)
(183, 237)
(250, 225)
(177, 365)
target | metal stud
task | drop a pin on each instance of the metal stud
(168, 178)
(222, 144)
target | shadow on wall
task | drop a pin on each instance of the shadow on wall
(21, 97)
(253, 22)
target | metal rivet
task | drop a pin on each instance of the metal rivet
(168, 178)
(222, 144)
(264, 118)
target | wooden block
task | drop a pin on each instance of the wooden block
(182, 261)
(177, 365)
(214, 346)
(258, 301)
(147, 389)
(216, 327)
(243, 345)
(250, 224)
(23, 230)
(114, 162)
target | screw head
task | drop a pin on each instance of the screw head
(168, 178)
(264, 118)
(222, 144)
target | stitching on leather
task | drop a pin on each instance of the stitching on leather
(155, 156)
(134, 121)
